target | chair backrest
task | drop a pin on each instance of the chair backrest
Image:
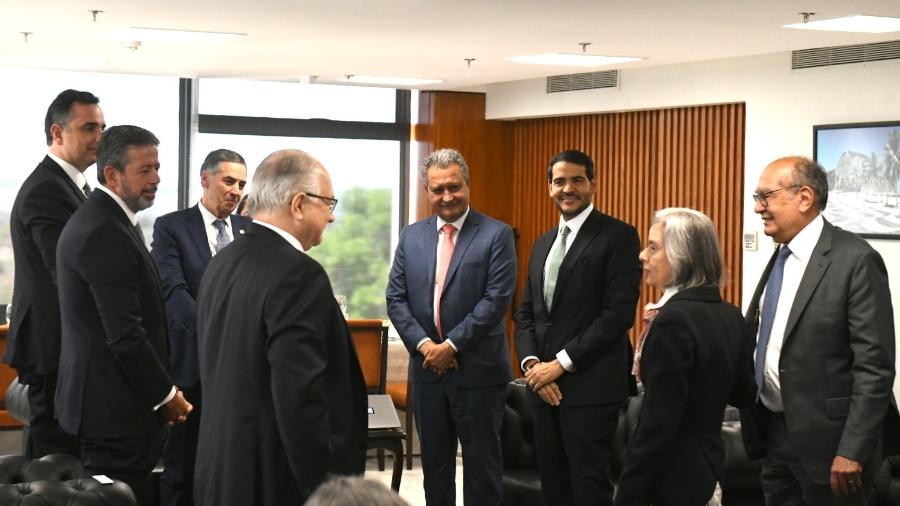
(371, 340)
(55, 467)
(517, 433)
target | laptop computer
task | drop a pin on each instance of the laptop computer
(382, 414)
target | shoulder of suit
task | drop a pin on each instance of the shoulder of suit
(611, 221)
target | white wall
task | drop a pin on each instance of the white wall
(782, 105)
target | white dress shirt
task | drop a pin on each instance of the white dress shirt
(574, 225)
(74, 174)
(285, 235)
(212, 232)
(801, 246)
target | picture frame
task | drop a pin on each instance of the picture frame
(862, 161)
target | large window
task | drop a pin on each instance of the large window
(146, 101)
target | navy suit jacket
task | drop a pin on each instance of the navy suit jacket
(181, 252)
(478, 289)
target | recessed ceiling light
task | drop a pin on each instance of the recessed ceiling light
(389, 81)
(573, 59)
(169, 36)
(863, 24)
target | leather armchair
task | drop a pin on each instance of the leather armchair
(56, 480)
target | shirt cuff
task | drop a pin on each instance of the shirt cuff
(167, 399)
(525, 361)
(423, 341)
(452, 345)
(565, 361)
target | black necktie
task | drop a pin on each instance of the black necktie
(86, 189)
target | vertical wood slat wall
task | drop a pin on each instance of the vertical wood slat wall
(646, 160)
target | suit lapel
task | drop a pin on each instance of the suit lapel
(541, 252)
(585, 236)
(197, 230)
(752, 316)
(108, 201)
(429, 246)
(58, 171)
(463, 240)
(812, 276)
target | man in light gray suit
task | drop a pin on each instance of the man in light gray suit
(825, 349)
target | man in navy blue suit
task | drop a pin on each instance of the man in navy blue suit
(452, 281)
(183, 243)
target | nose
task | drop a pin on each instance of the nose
(643, 256)
(758, 208)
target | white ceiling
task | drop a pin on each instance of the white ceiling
(291, 39)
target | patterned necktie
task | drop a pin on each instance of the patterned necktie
(86, 189)
(770, 304)
(648, 318)
(443, 265)
(556, 259)
(222, 238)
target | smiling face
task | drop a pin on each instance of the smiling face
(77, 141)
(222, 190)
(787, 210)
(448, 192)
(658, 271)
(137, 183)
(570, 188)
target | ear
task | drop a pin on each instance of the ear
(56, 133)
(111, 175)
(297, 205)
(807, 198)
(204, 180)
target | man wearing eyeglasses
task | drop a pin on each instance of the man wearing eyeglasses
(824, 359)
(284, 401)
(183, 243)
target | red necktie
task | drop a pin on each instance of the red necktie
(648, 317)
(443, 265)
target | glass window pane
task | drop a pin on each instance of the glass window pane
(356, 248)
(266, 99)
(146, 101)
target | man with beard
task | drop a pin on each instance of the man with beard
(571, 332)
(114, 390)
(183, 244)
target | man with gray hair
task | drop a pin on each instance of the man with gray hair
(284, 401)
(183, 243)
(452, 281)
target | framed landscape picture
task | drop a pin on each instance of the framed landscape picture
(862, 161)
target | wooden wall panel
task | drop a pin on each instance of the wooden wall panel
(646, 160)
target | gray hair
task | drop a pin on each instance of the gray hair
(280, 176)
(212, 163)
(353, 491)
(443, 159)
(809, 173)
(115, 146)
(692, 247)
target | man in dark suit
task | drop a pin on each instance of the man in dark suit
(44, 204)
(825, 349)
(284, 401)
(452, 281)
(113, 390)
(571, 334)
(183, 243)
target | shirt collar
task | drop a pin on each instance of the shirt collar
(458, 224)
(132, 216)
(286, 236)
(804, 242)
(74, 174)
(668, 293)
(208, 217)
(575, 223)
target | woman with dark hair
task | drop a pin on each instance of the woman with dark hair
(693, 357)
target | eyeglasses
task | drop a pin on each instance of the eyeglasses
(763, 197)
(330, 201)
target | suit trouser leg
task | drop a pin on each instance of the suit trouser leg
(179, 455)
(437, 436)
(785, 481)
(477, 414)
(45, 436)
(574, 447)
(127, 459)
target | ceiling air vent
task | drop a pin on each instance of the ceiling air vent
(842, 55)
(583, 81)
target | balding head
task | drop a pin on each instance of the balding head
(791, 192)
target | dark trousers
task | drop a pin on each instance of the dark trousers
(126, 459)
(446, 413)
(574, 447)
(44, 435)
(786, 483)
(176, 485)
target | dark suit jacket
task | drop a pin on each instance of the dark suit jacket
(284, 401)
(44, 204)
(698, 357)
(593, 308)
(114, 350)
(181, 252)
(837, 360)
(478, 288)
